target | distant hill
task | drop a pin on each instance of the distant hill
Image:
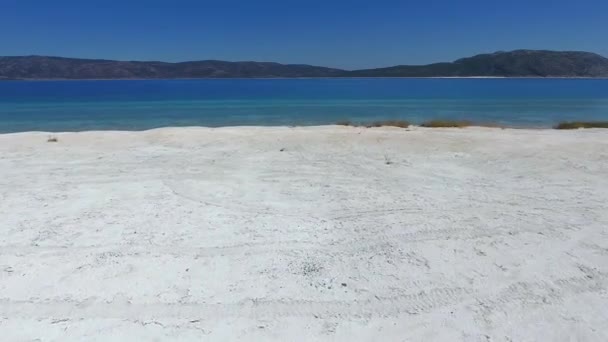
(41, 67)
(519, 63)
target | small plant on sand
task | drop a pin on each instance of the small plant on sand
(311, 268)
(390, 123)
(446, 123)
(582, 124)
(52, 139)
(387, 160)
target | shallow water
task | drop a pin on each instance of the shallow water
(145, 104)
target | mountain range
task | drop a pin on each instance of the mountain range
(518, 63)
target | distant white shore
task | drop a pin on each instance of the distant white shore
(323, 233)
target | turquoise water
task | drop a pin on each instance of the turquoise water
(145, 104)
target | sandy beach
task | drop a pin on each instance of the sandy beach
(304, 234)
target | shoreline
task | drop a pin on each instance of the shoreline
(284, 127)
(470, 128)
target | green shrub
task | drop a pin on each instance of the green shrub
(390, 123)
(581, 124)
(446, 123)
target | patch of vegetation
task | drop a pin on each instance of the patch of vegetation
(385, 123)
(581, 124)
(446, 123)
(390, 123)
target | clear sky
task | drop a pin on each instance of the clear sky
(340, 33)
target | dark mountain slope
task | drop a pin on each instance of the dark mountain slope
(520, 63)
(40, 67)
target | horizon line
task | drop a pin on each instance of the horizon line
(293, 64)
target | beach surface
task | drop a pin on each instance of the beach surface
(301, 234)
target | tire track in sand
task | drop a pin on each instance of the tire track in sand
(409, 304)
(412, 303)
(371, 241)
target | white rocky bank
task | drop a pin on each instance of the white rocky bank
(301, 234)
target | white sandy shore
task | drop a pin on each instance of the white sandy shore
(293, 234)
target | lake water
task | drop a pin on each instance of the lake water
(145, 104)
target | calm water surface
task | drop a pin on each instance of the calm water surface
(145, 104)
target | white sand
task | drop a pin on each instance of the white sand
(216, 234)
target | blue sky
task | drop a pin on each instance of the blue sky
(346, 33)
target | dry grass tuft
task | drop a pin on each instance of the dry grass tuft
(446, 123)
(386, 123)
(581, 124)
